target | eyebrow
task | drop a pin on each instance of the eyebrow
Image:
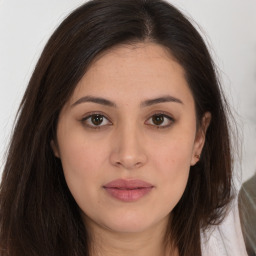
(109, 103)
(162, 99)
(97, 100)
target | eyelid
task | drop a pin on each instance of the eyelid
(165, 114)
(88, 115)
(96, 113)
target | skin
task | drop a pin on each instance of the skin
(129, 145)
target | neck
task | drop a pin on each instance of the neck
(149, 242)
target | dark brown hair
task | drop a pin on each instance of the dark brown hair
(38, 215)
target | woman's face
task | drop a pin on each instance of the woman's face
(127, 138)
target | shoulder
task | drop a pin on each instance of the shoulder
(225, 239)
(247, 212)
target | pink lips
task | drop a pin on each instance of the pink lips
(128, 190)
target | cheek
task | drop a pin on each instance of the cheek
(77, 154)
(81, 163)
(174, 177)
(173, 166)
(174, 169)
(174, 156)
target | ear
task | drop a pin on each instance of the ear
(55, 148)
(200, 138)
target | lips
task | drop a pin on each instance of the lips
(128, 190)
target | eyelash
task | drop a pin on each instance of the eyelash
(86, 118)
(163, 114)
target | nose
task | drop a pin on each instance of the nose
(127, 149)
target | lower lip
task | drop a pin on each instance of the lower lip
(128, 195)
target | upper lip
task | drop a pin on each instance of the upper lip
(128, 184)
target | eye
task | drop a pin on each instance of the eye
(160, 120)
(96, 121)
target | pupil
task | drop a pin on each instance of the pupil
(97, 119)
(158, 119)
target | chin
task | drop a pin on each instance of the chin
(128, 227)
(130, 223)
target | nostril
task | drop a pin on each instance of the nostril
(138, 164)
(128, 165)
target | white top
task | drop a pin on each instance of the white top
(225, 239)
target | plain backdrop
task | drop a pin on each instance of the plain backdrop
(228, 26)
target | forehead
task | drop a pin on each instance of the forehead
(137, 70)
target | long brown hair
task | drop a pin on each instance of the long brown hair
(38, 215)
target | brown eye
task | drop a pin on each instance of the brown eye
(97, 119)
(158, 119)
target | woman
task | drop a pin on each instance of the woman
(121, 146)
